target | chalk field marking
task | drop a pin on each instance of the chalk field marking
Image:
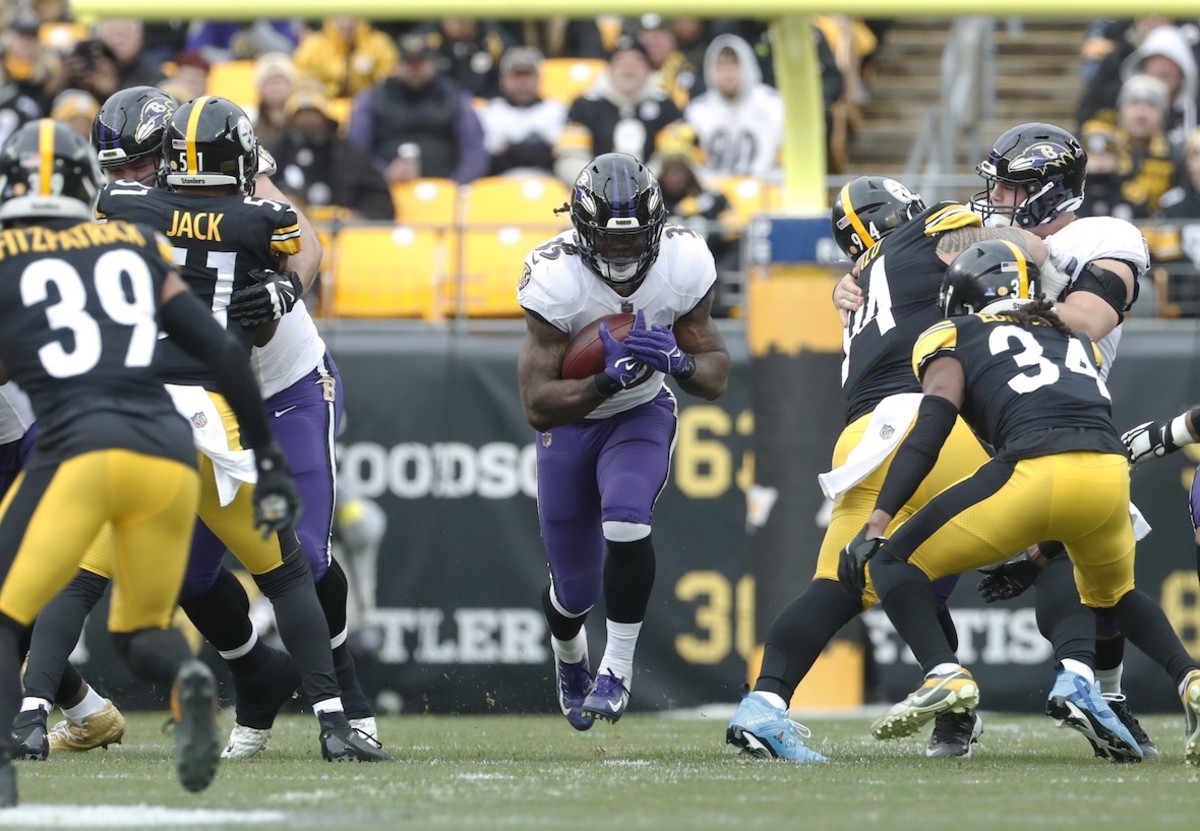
(128, 816)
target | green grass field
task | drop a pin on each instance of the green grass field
(647, 772)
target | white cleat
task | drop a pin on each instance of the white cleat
(244, 742)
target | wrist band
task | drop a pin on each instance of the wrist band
(605, 386)
(1180, 434)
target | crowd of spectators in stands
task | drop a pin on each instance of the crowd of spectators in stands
(1138, 122)
(350, 107)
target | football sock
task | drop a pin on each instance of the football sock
(71, 688)
(42, 704)
(55, 634)
(570, 651)
(907, 597)
(946, 621)
(628, 579)
(10, 676)
(1079, 668)
(1062, 619)
(333, 591)
(353, 697)
(944, 669)
(301, 624)
(1110, 657)
(773, 699)
(563, 626)
(328, 706)
(1147, 628)
(799, 634)
(92, 703)
(619, 649)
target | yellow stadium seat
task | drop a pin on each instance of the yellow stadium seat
(565, 79)
(504, 217)
(234, 80)
(389, 271)
(492, 265)
(426, 202)
(747, 197)
(517, 200)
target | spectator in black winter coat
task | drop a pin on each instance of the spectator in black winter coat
(320, 169)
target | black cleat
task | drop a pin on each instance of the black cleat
(954, 733)
(30, 739)
(1120, 707)
(194, 709)
(342, 743)
(259, 695)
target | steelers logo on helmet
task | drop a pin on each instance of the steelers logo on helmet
(618, 213)
(869, 208)
(209, 142)
(990, 276)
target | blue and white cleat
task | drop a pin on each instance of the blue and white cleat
(573, 682)
(1077, 703)
(761, 729)
(608, 699)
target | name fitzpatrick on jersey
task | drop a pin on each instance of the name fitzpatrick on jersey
(203, 226)
(38, 240)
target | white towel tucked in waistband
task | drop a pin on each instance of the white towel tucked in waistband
(1141, 528)
(232, 467)
(888, 425)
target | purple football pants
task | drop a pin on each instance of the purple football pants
(593, 471)
(305, 418)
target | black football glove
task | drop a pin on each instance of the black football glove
(276, 503)
(270, 298)
(1008, 580)
(852, 563)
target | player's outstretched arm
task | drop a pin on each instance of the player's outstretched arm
(307, 261)
(1158, 438)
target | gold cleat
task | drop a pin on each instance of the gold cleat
(1191, 708)
(954, 692)
(97, 730)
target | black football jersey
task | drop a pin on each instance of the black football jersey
(79, 330)
(1030, 391)
(217, 241)
(901, 277)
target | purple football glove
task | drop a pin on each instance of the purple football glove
(620, 364)
(656, 347)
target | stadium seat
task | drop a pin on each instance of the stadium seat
(522, 200)
(426, 202)
(62, 37)
(747, 197)
(565, 79)
(234, 80)
(389, 271)
(503, 219)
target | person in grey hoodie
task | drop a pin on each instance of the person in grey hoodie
(739, 120)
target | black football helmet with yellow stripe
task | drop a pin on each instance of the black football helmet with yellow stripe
(48, 171)
(994, 274)
(869, 208)
(209, 141)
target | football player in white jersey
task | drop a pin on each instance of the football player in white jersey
(604, 442)
(302, 388)
(1034, 175)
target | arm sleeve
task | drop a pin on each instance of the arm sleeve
(191, 325)
(917, 454)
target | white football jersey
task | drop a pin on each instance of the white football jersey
(563, 291)
(295, 350)
(15, 413)
(1097, 238)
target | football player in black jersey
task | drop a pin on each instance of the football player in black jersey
(1030, 387)
(80, 309)
(221, 233)
(903, 249)
(128, 134)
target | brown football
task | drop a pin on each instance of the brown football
(585, 353)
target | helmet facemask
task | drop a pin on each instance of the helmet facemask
(618, 213)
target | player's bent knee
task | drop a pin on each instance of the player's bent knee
(292, 572)
(626, 531)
